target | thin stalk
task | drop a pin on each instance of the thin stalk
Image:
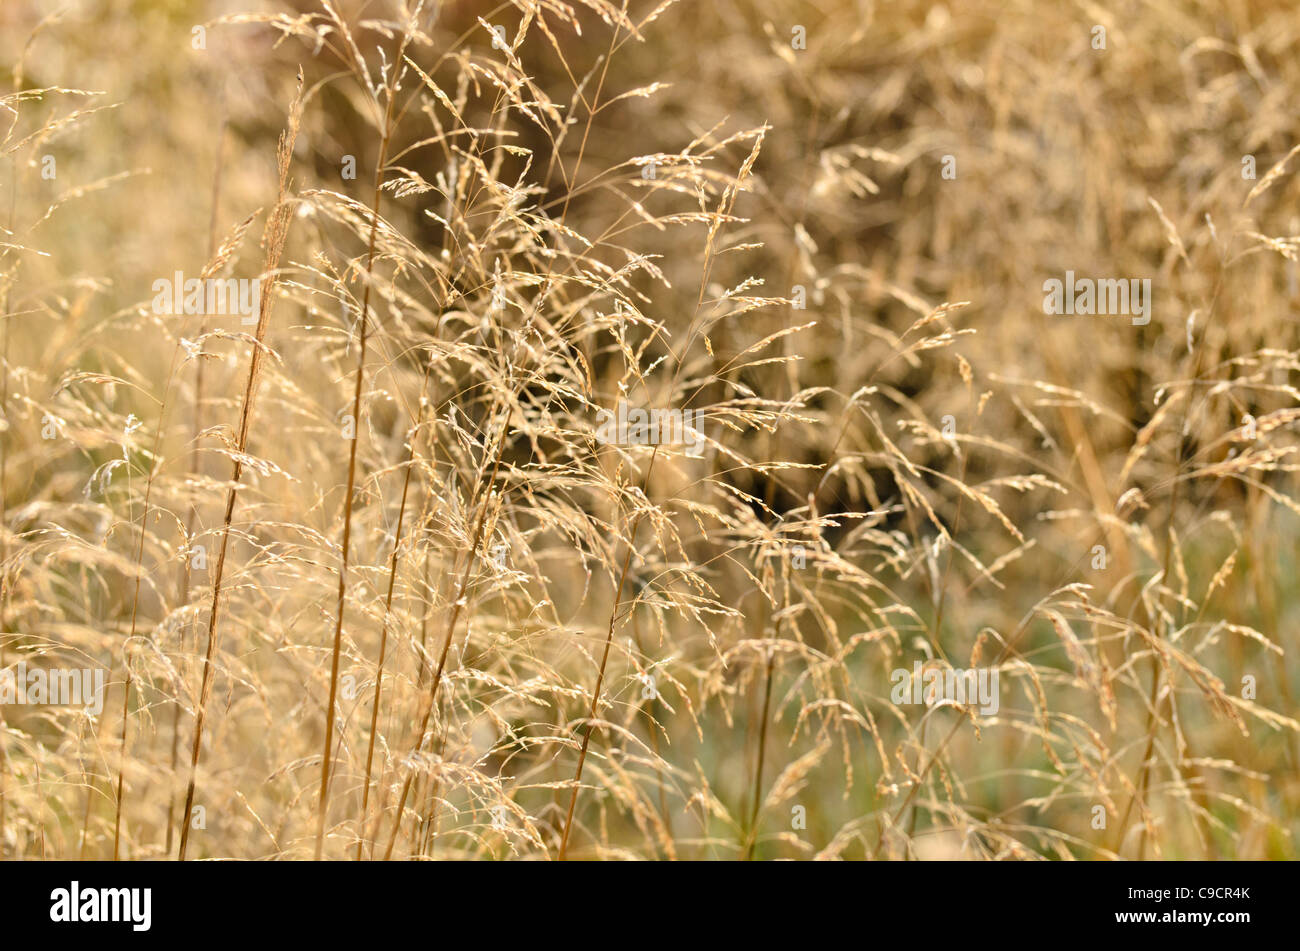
(1154, 705)
(4, 473)
(275, 235)
(600, 675)
(154, 466)
(195, 467)
(388, 610)
(363, 329)
(457, 604)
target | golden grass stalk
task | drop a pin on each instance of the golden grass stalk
(273, 241)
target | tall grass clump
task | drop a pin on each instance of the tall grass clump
(638, 398)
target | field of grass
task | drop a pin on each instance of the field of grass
(326, 328)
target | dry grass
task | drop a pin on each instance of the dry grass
(367, 560)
